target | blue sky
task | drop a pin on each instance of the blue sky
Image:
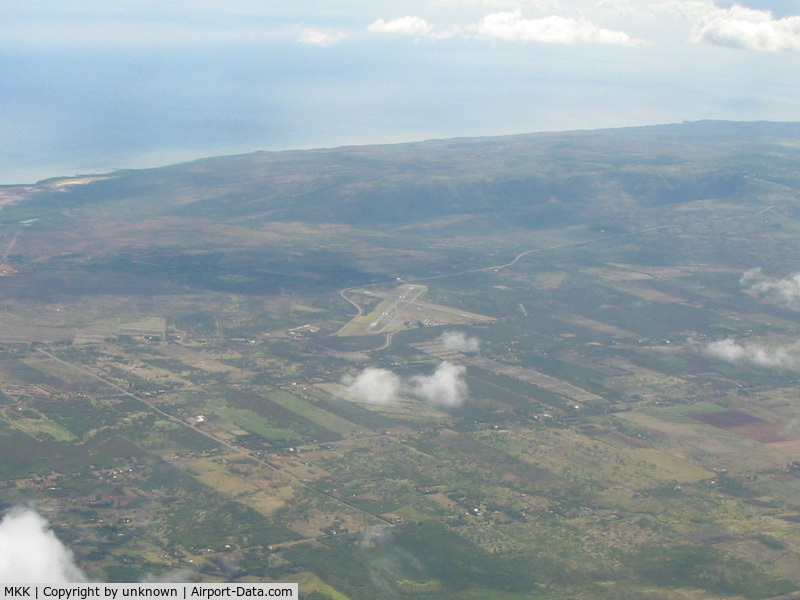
(93, 85)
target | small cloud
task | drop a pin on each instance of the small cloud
(459, 342)
(777, 357)
(446, 34)
(31, 553)
(408, 25)
(373, 385)
(748, 277)
(536, 5)
(689, 9)
(549, 30)
(501, 4)
(749, 29)
(781, 292)
(618, 7)
(445, 388)
(779, 8)
(318, 37)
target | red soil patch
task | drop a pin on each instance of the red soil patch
(748, 426)
(728, 419)
(766, 432)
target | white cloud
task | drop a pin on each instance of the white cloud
(458, 341)
(748, 277)
(777, 357)
(690, 9)
(318, 37)
(444, 388)
(781, 292)
(446, 34)
(618, 7)
(31, 553)
(408, 25)
(540, 5)
(750, 29)
(779, 8)
(544, 5)
(548, 30)
(373, 385)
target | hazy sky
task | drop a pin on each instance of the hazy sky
(92, 85)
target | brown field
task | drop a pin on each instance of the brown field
(766, 433)
(748, 426)
(727, 419)
(729, 449)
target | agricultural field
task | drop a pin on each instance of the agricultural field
(590, 392)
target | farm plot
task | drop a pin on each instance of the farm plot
(747, 425)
